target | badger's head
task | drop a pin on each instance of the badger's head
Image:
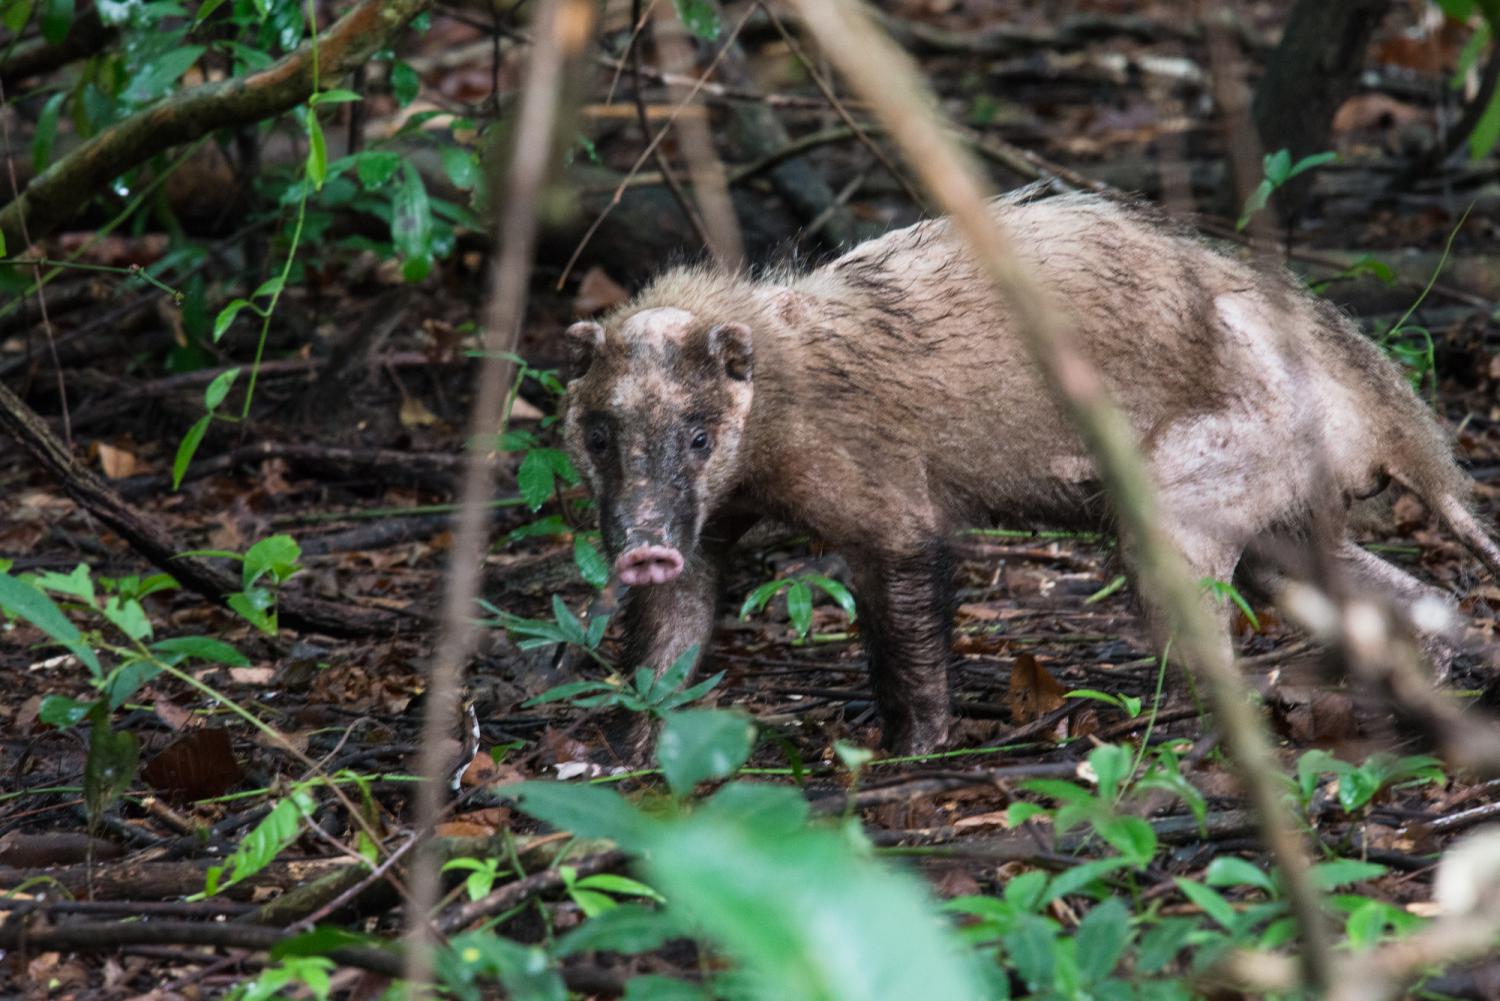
(654, 422)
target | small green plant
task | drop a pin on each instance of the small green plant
(1359, 784)
(264, 568)
(564, 628)
(1279, 169)
(596, 894)
(1130, 705)
(799, 599)
(645, 692)
(1222, 590)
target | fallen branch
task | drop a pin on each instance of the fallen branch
(57, 193)
(152, 541)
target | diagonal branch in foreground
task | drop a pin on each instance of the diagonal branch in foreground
(886, 78)
(54, 195)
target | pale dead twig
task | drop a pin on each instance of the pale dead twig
(564, 31)
(886, 78)
(650, 146)
(710, 188)
(663, 167)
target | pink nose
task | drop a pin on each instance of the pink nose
(649, 565)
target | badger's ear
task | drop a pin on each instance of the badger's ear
(730, 344)
(585, 338)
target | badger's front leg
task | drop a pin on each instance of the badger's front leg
(663, 621)
(905, 617)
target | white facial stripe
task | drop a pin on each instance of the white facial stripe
(658, 325)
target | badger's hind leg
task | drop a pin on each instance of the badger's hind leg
(1430, 612)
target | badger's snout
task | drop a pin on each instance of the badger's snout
(648, 564)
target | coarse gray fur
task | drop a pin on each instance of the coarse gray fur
(884, 401)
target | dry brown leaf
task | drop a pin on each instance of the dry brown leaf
(197, 766)
(116, 462)
(252, 675)
(597, 291)
(414, 413)
(172, 714)
(1033, 692)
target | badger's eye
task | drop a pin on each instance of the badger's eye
(597, 438)
(700, 440)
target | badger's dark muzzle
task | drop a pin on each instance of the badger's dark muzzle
(648, 564)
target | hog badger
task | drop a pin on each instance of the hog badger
(884, 401)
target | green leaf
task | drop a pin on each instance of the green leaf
(205, 10)
(271, 286)
(276, 555)
(176, 649)
(188, 448)
(698, 745)
(127, 679)
(1024, 892)
(1310, 161)
(1343, 871)
(46, 132)
(1130, 836)
(110, 766)
(57, 19)
(524, 971)
(78, 583)
(411, 217)
(1278, 166)
(699, 17)
(1032, 947)
(1161, 944)
(588, 811)
(219, 388)
(405, 83)
(1074, 880)
(567, 691)
(317, 152)
(336, 96)
(1227, 870)
(277, 830)
(13, 17)
(620, 886)
(63, 712)
(252, 606)
(226, 316)
(806, 914)
(1487, 130)
(462, 167)
(1209, 902)
(628, 929)
(161, 73)
(535, 480)
(375, 167)
(653, 987)
(837, 591)
(1255, 203)
(128, 616)
(1111, 764)
(592, 565)
(25, 601)
(758, 805)
(1101, 938)
(799, 607)
(757, 599)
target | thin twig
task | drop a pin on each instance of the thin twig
(646, 153)
(565, 28)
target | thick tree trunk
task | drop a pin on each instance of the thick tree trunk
(1313, 70)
